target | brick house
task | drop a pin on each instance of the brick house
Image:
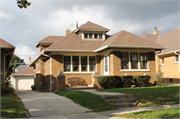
(7, 51)
(167, 61)
(89, 49)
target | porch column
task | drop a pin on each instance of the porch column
(60, 81)
(95, 83)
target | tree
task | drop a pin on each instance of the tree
(15, 60)
(23, 3)
(144, 32)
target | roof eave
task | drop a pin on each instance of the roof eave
(56, 50)
(7, 47)
(141, 47)
(168, 52)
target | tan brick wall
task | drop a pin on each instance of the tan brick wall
(170, 69)
(57, 65)
(98, 63)
(115, 63)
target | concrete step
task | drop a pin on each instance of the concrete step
(123, 104)
(79, 88)
(113, 101)
(118, 97)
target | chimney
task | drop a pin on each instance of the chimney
(76, 24)
(29, 60)
(156, 32)
(67, 31)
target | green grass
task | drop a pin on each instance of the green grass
(164, 113)
(12, 107)
(88, 100)
(151, 96)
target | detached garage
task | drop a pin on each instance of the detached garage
(23, 79)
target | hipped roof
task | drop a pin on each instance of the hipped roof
(26, 71)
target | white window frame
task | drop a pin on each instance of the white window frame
(129, 52)
(88, 71)
(103, 36)
(38, 67)
(162, 62)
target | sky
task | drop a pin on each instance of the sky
(23, 28)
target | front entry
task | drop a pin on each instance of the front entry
(106, 64)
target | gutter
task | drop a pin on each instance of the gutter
(5, 63)
(53, 50)
(113, 46)
(175, 52)
(168, 52)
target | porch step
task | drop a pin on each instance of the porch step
(121, 100)
(79, 88)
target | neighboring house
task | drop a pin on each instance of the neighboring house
(20, 67)
(167, 61)
(88, 49)
(23, 79)
(7, 51)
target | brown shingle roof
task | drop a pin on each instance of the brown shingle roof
(74, 42)
(151, 37)
(92, 26)
(50, 39)
(171, 40)
(124, 38)
(5, 43)
(26, 71)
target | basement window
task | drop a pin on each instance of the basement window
(170, 80)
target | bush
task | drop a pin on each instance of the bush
(158, 78)
(110, 82)
(127, 81)
(142, 80)
(33, 87)
(6, 88)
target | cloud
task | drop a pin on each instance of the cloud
(24, 52)
(6, 16)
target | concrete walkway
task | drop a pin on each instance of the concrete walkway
(49, 105)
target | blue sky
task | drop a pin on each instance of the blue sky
(23, 28)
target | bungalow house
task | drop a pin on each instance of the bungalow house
(7, 51)
(167, 61)
(89, 49)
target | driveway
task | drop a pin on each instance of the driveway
(47, 105)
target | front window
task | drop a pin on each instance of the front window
(79, 63)
(38, 66)
(124, 60)
(67, 63)
(134, 60)
(96, 36)
(143, 60)
(92, 63)
(83, 63)
(75, 63)
(100, 36)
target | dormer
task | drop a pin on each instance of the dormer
(46, 42)
(91, 31)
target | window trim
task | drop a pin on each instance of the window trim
(38, 67)
(93, 36)
(80, 71)
(129, 60)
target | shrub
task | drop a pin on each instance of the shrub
(109, 81)
(33, 87)
(6, 88)
(142, 80)
(158, 78)
(127, 81)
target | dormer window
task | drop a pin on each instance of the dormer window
(93, 35)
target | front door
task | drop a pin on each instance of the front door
(106, 64)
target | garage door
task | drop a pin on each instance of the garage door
(24, 83)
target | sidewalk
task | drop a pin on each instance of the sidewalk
(136, 109)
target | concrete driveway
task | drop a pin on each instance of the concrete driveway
(50, 105)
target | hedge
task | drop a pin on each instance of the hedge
(109, 82)
(142, 80)
(6, 88)
(127, 80)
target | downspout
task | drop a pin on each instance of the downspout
(5, 64)
(50, 74)
(179, 62)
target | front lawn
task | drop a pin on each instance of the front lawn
(151, 96)
(12, 107)
(163, 113)
(88, 100)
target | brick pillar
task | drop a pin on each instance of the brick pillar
(95, 83)
(60, 82)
